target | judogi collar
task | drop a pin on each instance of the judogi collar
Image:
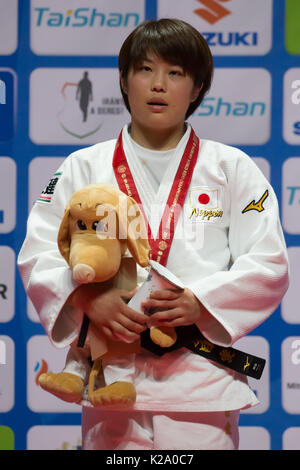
(177, 179)
(172, 192)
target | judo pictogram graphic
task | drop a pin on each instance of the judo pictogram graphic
(74, 116)
(85, 94)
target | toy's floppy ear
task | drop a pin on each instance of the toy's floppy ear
(63, 238)
(137, 236)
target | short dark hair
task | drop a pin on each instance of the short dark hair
(175, 41)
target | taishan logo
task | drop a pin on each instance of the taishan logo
(214, 11)
(84, 17)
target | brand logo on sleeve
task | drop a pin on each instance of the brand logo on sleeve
(257, 206)
(47, 193)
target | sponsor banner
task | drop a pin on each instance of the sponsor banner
(7, 438)
(258, 346)
(237, 108)
(230, 27)
(290, 357)
(291, 439)
(75, 106)
(54, 438)
(8, 172)
(291, 195)
(7, 375)
(96, 27)
(7, 104)
(43, 357)
(292, 21)
(254, 438)
(291, 106)
(8, 26)
(289, 304)
(7, 283)
(264, 166)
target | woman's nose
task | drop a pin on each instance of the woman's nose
(158, 82)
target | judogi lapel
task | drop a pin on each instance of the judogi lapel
(132, 181)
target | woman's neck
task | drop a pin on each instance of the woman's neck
(156, 139)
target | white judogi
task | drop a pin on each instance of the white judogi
(224, 182)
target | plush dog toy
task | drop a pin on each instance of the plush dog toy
(99, 225)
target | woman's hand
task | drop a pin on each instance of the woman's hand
(173, 308)
(108, 311)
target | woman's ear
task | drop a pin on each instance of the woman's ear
(195, 93)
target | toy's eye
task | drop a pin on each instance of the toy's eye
(95, 225)
(99, 225)
(80, 225)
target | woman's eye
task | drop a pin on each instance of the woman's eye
(176, 72)
(80, 225)
(99, 225)
(145, 68)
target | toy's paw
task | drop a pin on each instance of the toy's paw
(118, 393)
(66, 386)
(164, 336)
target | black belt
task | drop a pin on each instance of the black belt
(191, 338)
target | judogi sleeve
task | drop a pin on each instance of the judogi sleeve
(240, 299)
(46, 276)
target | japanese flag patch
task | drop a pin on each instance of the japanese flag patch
(204, 198)
(205, 203)
(47, 193)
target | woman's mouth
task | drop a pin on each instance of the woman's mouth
(156, 104)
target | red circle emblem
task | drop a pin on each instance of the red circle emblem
(204, 198)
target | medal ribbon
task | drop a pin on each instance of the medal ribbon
(160, 246)
(187, 336)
